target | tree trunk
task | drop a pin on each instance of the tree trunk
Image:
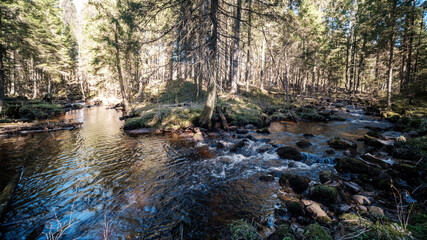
(236, 48)
(248, 54)
(390, 60)
(262, 63)
(119, 69)
(2, 52)
(206, 115)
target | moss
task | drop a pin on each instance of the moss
(325, 176)
(283, 232)
(316, 232)
(165, 118)
(241, 230)
(310, 114)
(241, 112)
(352, 165)
(413, 149)
(324, 194)
(40, 110)
(295, 208)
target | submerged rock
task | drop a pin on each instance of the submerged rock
(303, 144)
(339, 143)
(289, 153)
(298, 183)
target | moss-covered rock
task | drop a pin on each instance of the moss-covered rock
(353, 165)
(283, 232)
(295, 208)
(309, 114)
(325, 176)
(316, 232)
(40, 111)
(241, 230)
(324, 194)
(289, 153)
(298, 183)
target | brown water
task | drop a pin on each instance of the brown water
(97, 181)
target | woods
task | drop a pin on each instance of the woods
(116, 48)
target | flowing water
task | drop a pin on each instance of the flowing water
(97, 182)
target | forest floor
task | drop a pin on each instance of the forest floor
(366, 197)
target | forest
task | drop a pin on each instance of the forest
(322, 103)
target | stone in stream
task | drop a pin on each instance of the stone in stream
(266, 178)
(289, 153)
(236, 147)
(296, 182)
(220, 145)
(339, 143)
(303, 144)
(295, 208)
(307, 135)
(242, 131)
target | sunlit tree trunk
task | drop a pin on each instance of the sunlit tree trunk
(119, 68)
(2, 51)
(207, 113)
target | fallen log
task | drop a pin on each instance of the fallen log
(25, 128)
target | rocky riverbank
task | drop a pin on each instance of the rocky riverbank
(376, 189)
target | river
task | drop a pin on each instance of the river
(97, 182)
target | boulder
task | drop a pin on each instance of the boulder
(303, 144)
(339, 143)
(316, 212)
(362, 200)
(308, 135)
(298, 183)
(296, 208)
(324, 194)
(283, 231)
(353, 165)
(375, 160)
(289, 153)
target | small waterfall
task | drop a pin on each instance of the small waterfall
(312, 158)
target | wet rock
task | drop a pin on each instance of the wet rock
(289, 153)
(352, 187)
(220, 145)
(353, 165)
(375, 160)
(283, 231)
(237, 146)
(407, 171)
(242, 131)
(324, 194)
(330, 151)
(303, 144)
(308, 135)
(264, 149)
(376, 212)
(350, 153)
(263, 130)
(298, 183)
(316, 212)
(339, 143)
(362, 200)
(295, 208)
(266, 178)
(376, 142)
(325, 176)
(249, 126)
(413, 133)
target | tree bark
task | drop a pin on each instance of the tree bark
(236, 48)
(248, 54)
(206, 115)
(390, 60)
(119, 68)
(2, 52)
